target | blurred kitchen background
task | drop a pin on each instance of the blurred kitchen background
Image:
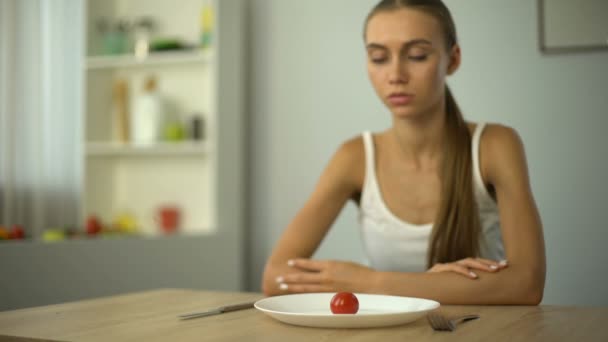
(148, 144)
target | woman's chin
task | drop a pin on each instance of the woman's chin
(404, 112)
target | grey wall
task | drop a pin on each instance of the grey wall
(36, 273)
(309, 92)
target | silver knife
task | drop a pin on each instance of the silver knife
(217, 311)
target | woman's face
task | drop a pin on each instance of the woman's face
(407, 61)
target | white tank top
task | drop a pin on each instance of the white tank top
(392, 244)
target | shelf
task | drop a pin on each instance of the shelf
(154, 59)
(126, 177)
(198, 232)
(172, 149)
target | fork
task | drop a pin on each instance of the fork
(441, 323)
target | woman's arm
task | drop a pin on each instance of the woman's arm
(504, 166)
(339, 182)
(502, 287)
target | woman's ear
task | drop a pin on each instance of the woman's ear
(455, 58)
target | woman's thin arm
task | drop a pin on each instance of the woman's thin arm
(504, 166)
(508, 286)
(502, 288)
(341, 179)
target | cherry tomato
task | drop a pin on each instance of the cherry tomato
(344, 303)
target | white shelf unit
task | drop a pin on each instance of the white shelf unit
(125, 178)
(154, 59)
(48, 273)
(118, 149)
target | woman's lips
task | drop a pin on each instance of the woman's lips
(400, 99)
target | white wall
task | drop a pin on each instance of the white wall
(309, 92)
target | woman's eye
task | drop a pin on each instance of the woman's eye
(378, 60)
(418, 58)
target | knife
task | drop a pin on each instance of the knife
(217, 311)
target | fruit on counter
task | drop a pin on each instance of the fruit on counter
(17, 232)
(93, 225)
(4, 233)
(125, 223)
(52, 235)
(344, 303)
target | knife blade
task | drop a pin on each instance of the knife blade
(217, 311)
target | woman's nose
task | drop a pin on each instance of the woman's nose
(398, 73)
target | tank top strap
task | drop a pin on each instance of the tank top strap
(475, 146)
(368, 143)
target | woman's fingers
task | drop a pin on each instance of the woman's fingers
(468, 266)
(300, 278)
(482, 264)
(304, 288)
(454, 267)
(477, 264)
(306, 277)
(460, 269)
(496, 264)
(307, 264)
(302, 282)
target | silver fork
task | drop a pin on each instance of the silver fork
(441, 323)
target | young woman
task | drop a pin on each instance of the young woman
(446, 209)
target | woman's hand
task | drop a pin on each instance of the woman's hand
(466, 267)
(325, 276)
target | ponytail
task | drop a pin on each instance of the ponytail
(456, 230)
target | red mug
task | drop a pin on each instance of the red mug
(168, 219)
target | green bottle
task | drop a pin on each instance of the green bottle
(207, 23)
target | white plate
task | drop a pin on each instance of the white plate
(312, 310)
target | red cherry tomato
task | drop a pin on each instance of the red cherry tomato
(344, 303)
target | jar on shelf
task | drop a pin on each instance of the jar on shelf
(147, 115)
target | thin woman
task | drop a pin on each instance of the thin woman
(446, 209)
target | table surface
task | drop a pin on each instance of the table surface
(152, 316)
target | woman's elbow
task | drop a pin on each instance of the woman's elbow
(535, 294)
(533, 290)
(268, 290)
(532, 296)
(269, 284)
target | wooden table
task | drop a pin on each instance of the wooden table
(152, 316)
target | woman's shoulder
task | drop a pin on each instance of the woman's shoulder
(500, 148)
(497, 137)
(348, 162)
(351, 151)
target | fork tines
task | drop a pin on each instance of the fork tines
(440, 323)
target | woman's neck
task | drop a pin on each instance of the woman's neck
(419, 141)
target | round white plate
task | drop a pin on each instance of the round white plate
(312, 310)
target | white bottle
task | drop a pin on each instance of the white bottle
(147, 115)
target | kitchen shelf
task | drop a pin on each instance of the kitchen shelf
(201, 232)
(154, 59)
(200, 177)
(168, 149)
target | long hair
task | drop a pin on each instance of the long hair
(456, 230)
